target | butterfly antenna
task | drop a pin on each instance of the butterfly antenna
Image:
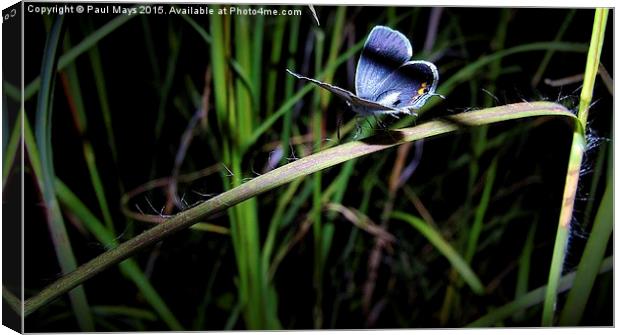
(295, 74)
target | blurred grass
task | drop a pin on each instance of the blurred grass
(547, 58)
(533, 298)
(254, 103)
(166, 84)
(478, 139)
(235, 117)
(592, 258)
(73, 94)
(12, 301)
(103, 234)
(459, 263)
(315, 214)
(104, 102)
(43, 132)
(323, 232)
(31, 88)
(10, 151)
(525, 266)
(129, 268)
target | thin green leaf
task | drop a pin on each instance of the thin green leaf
(574, 164)
(532, 298)
(481, 209)
(523, 273)
(79, 49)
(435, 238)
(129, 267)
(79, 111)
(12, 300)
(591, 260)
(58, 232)
(11, 150)
(131, 312)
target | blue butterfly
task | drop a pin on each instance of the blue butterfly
(386, 81)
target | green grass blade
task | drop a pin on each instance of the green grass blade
(481, 209)
(276, 221)
(12, 300)
(11, 91)
(219, 28)
(175, 48)
(316, 121)
(258, 33)
(102, 94)
(591, 260)
(199, 29)
(561, 238)
(30, 147)
(574, 163)
(233, 101)
(131, 312)
(218, 62)
(334, 49)
(532, 298)
(322, 232)
(592, 64)
(471, 70)
(244, 84)
(129, 267)
(288, 104)
(287, 122)
(150, 48)
(87, 43)
(276, 54)
(435, 238)
(58, 232)
(286, 174)
(77, 107)
(5, 121)
(10, 151)
(599, 168)
(558, 37)
(523, 273)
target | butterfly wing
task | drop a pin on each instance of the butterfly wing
(409, 86)
(385, 50)
(359, 105)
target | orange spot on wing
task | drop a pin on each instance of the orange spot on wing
(423, 88)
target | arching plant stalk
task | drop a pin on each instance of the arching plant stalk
(287, 173)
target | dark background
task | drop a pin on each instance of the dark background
(187, 259)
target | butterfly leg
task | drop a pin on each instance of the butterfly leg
(358, 128)
(384, 126)
(380, 123)
(338, 125)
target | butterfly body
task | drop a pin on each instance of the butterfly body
(386, 81)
